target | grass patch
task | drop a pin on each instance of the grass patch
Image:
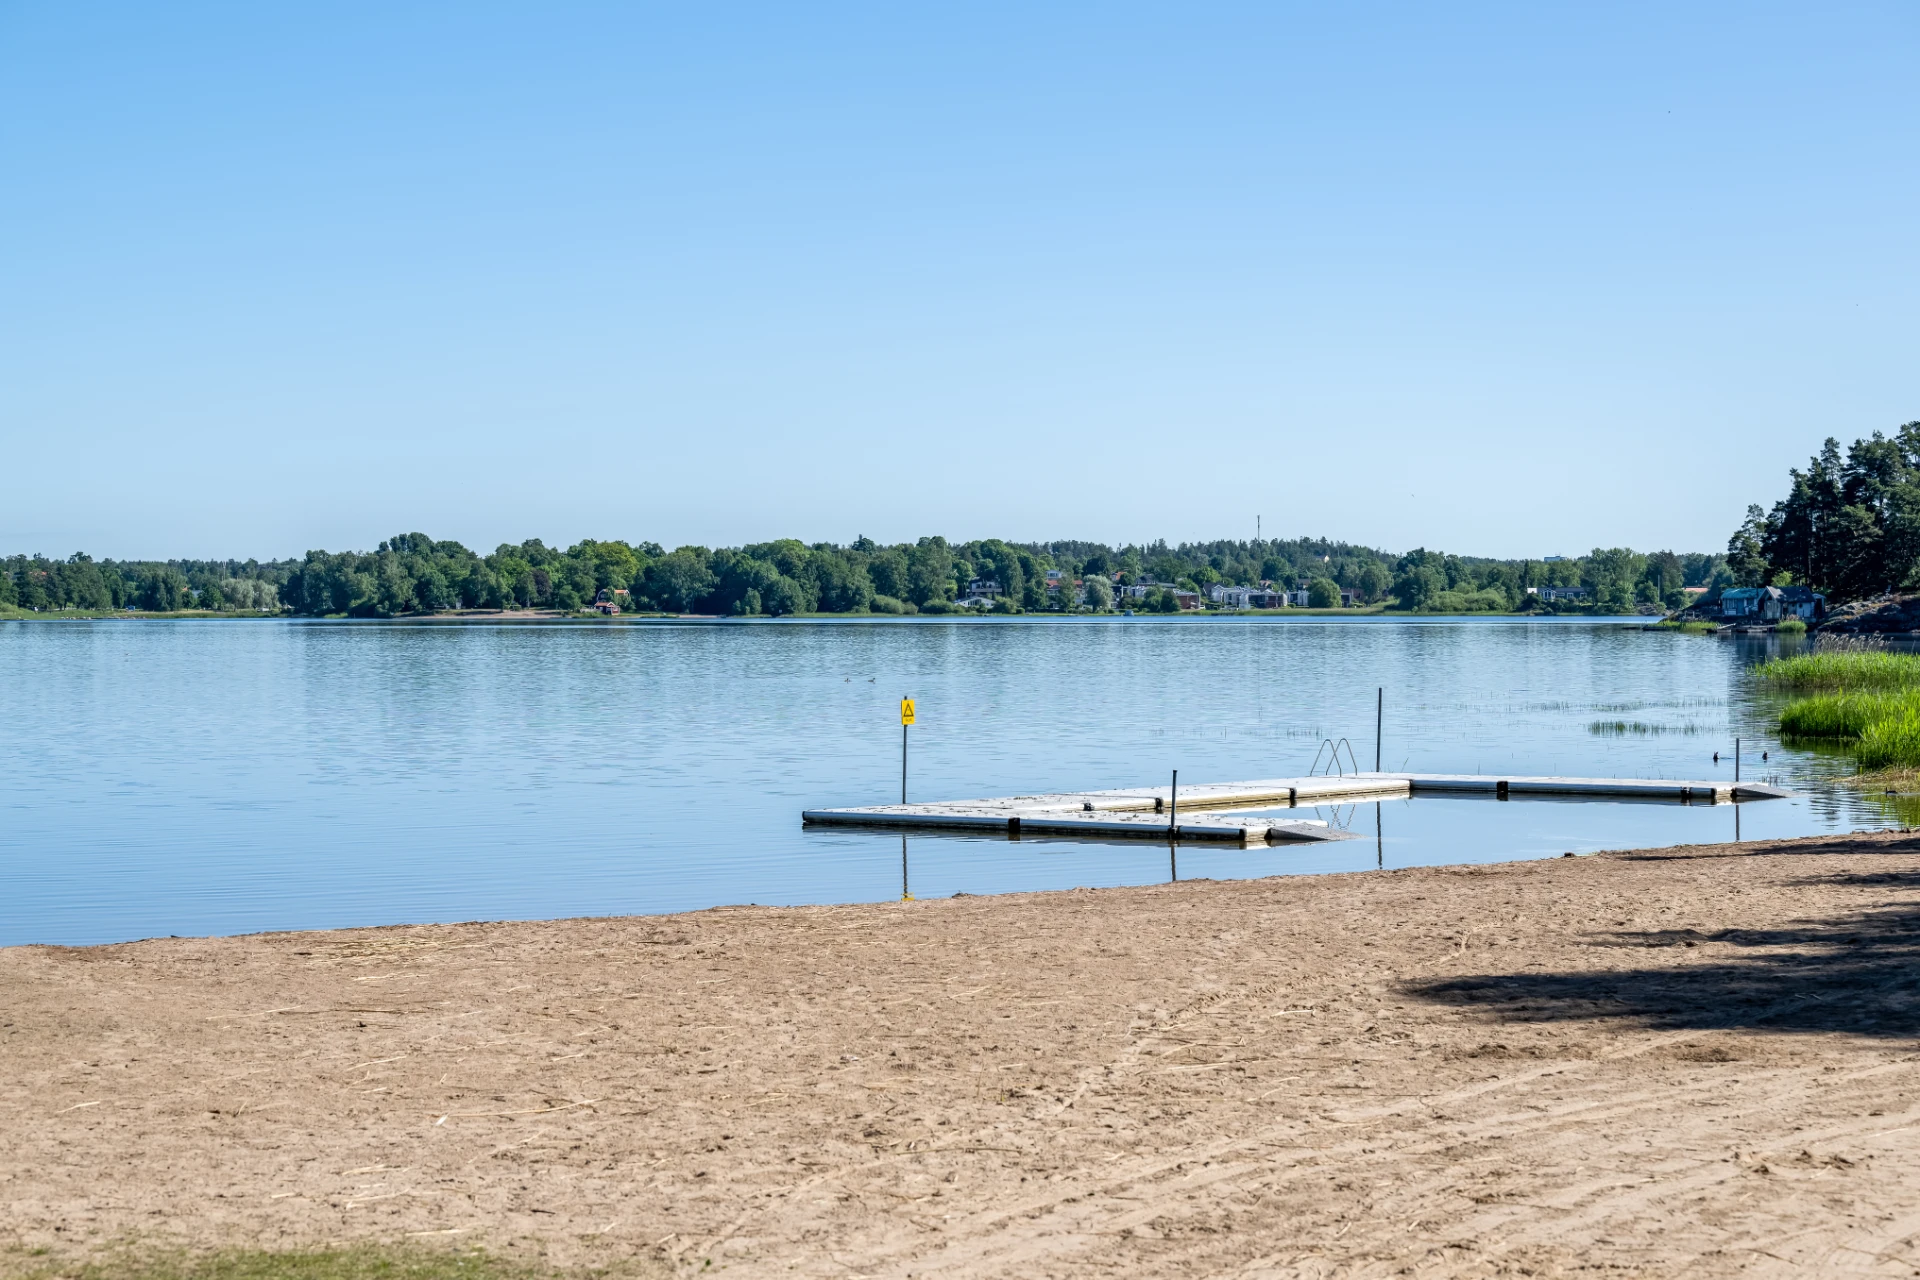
(1842, 671)
(1867, 698)
(1844, 715)
(1637, 728)
(1790, 626)
(1893, 740)
(361, 1262)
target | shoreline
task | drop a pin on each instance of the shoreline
(552, 615)
(1696, 1060)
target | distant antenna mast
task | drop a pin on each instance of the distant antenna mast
(1256, 528)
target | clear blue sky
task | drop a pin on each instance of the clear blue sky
(1507, 280)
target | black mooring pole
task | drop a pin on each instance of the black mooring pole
(1173, 810)
(1379, 719)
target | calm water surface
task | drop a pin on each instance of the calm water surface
(232, 776)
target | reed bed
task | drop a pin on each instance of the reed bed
(1858, 694)
(1892, 742)
(1838, 670)
(1638, 728)
(1843, 715)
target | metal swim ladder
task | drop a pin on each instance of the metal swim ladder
(1331, 749)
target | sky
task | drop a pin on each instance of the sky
(1511, 280)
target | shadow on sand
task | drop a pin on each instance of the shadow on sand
(1856, 972)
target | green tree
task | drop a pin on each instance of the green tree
(680, 579)
(839, 584)
(1099, 594)
(1323, 593)
(1613, 576)
(1033, 592)
(887, 569)
(1747, 550)
(930, 571)
(1665, 574)
(1420, 576)
(1373, 580)
(787, 596)
(162, 590)
(737, 576)
(393, 590)
(614, 564)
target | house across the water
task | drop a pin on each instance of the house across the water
(1801, 602)
(1770, 604)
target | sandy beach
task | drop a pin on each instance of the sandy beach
(1697, 1061)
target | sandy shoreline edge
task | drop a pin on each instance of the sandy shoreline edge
(1697, 1060)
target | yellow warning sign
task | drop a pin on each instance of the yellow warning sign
(906, 711)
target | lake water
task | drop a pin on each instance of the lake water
(211, 777)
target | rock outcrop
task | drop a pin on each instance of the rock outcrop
(1880, 615)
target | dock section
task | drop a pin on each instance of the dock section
(1608, 788)
(1207, 811)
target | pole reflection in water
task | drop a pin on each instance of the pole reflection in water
(904, 895)
(1173, 862)
(1379, 841)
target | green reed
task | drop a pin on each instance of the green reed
(1842, 671)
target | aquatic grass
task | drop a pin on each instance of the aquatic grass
(1842, 715)
(1860, 694)
(1893, 740)
(1883, 727)
(1791, 626)
(1841, 670)
(1639, 728)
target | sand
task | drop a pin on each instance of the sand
(1694, 1061)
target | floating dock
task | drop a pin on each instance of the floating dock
(1206, 810)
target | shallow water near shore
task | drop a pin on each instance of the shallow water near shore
(216, 777)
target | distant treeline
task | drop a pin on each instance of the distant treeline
(81, 582)
(414, 574)
(1849, 526)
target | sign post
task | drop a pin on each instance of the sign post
(906, 720)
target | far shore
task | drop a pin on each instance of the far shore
(587, 617)
(1699, 1061)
